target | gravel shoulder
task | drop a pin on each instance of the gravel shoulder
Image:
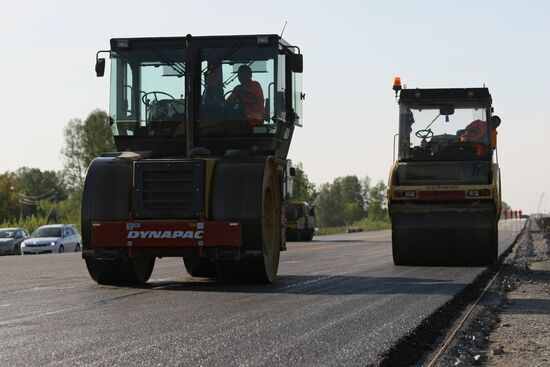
(509, 327)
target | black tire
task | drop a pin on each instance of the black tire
(264, 268)
(77, 247)
(113, 272)
(142, 269)
(231, 270)
(17, 249)
(290, 236)
(200, 267)
(400, 251)
(61, 249)
(106, 197)
(249, 192)
(489, 253)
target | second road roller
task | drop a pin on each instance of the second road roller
(444, 193)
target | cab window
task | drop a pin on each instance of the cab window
(237, 92)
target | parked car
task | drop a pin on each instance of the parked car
(10, 240)
(52, 238)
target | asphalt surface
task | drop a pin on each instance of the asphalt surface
(338, 300)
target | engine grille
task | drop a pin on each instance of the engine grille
(168, 189)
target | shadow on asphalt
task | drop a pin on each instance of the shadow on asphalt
(318, 285)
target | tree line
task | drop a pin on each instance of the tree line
(344, 201)
(55, 196)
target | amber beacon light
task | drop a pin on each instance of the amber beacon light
(396, 84)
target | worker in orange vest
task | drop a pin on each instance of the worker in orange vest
(520, 213)
(476, 132)
(505, 212)
(516, 214)
(248, 96)
(511, 214)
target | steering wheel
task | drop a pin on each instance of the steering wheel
(240, 93)
(424, 134)
(155, 93)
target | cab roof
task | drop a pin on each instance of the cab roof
(445, 94)
(140, 42)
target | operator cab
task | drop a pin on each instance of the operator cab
(446, 124)
(224, 94)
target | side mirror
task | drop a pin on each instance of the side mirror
(100, 67)
(495, 121)
(297, 63)
(292, 172)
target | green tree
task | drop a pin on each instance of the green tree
(365, 188)
(85, 140)
(9, 204)
(34, 182)
(40, 191)
(340, 203)
(97, 136)
(377, 209)
(352, 198)
(302, 188)
(330, 210)
(73, 152)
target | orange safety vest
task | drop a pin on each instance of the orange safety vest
(476, 130)
(251, 96)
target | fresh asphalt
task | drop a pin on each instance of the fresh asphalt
(338, 300)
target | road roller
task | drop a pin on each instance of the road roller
(444, 194)
(301, 220)
(202, 127)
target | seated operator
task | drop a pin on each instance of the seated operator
(249, 97)
(476, 132)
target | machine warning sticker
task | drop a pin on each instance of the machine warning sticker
(441, 187)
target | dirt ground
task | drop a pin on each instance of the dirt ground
(511, 326)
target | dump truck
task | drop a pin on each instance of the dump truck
(444, 194)
(300, 221)
(202, 127)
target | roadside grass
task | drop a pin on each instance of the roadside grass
(68, 212)
(364, 225)
(29, 223)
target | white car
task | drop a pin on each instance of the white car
(53, 238)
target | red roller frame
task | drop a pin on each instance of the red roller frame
(173, 234)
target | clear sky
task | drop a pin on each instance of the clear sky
(352, 50)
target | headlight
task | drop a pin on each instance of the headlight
(23, 245)
(52, 244)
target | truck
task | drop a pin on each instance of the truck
(444, 191)
(300, 221)
(202, 127)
